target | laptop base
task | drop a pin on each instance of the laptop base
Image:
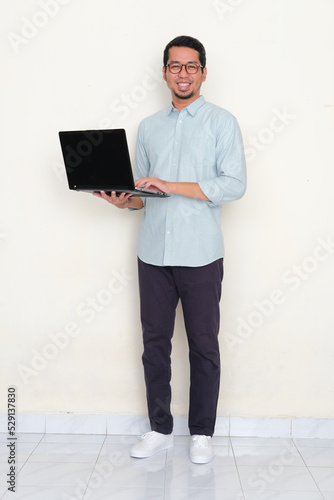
(139, 193)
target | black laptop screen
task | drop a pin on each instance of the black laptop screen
(95, 158)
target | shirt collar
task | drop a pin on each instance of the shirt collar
(192, 108)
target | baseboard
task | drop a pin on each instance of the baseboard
(67, 423)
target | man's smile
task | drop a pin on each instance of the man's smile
(183, 85)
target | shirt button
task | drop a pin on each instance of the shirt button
(168, 232)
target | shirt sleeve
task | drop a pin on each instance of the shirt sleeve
(231, 180)
(142, 164)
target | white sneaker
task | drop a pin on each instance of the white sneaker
(201, 451)
(151, 443)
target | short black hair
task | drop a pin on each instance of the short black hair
(186, 41)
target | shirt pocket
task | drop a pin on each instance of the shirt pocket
(197, 158)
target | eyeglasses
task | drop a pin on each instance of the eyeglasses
(191, 67)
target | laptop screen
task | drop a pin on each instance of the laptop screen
(97, 158)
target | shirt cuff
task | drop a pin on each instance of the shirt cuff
(138, 209)
(212, 191)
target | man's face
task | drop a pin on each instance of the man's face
(185, 88)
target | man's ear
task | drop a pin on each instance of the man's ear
(205, 71)
(164, 73)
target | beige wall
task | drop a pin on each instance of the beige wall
(70, 333)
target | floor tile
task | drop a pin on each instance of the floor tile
(43, 493)
(4, 470)
(277, 478)
(224, 455)
(273, 456)
(181, 440)
(54, 474)
(221, 441)
(260, 441)
(314, 443)
(117, 449)
(119, 454)
(283, 495)
(318, 457)
(124, 493)
(23, 438)
(66, 452)
(185, 475)
(216, 440)
(120, 439)
(203, 494)
(73, 438)
(324, 477)
(145, 473)
(23, 450)
(180, 452)
(99, 467)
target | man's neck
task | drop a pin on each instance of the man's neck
(180, 104)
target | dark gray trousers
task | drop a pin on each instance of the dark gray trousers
(199, 289)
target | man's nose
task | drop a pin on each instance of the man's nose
(183, 72)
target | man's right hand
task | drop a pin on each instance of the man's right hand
(124, 200)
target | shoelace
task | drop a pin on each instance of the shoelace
(148, 435)
(201, 441)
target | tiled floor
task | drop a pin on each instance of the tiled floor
(82, 467)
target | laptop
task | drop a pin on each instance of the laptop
(99, 160)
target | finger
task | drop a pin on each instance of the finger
(123, 199)
(125, 196)
(152, 186)
(104, 195)
(113, 198)
(141, 182)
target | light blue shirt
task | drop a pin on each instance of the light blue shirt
(203, 144)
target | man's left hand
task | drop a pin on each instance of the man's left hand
(153, 184)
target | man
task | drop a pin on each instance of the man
(193, 151)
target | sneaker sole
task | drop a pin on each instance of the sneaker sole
(202, 460)
(148, 455)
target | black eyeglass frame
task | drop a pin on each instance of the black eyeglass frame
(185, 65)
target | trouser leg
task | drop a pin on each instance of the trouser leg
(158, 301)
(200, 292)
